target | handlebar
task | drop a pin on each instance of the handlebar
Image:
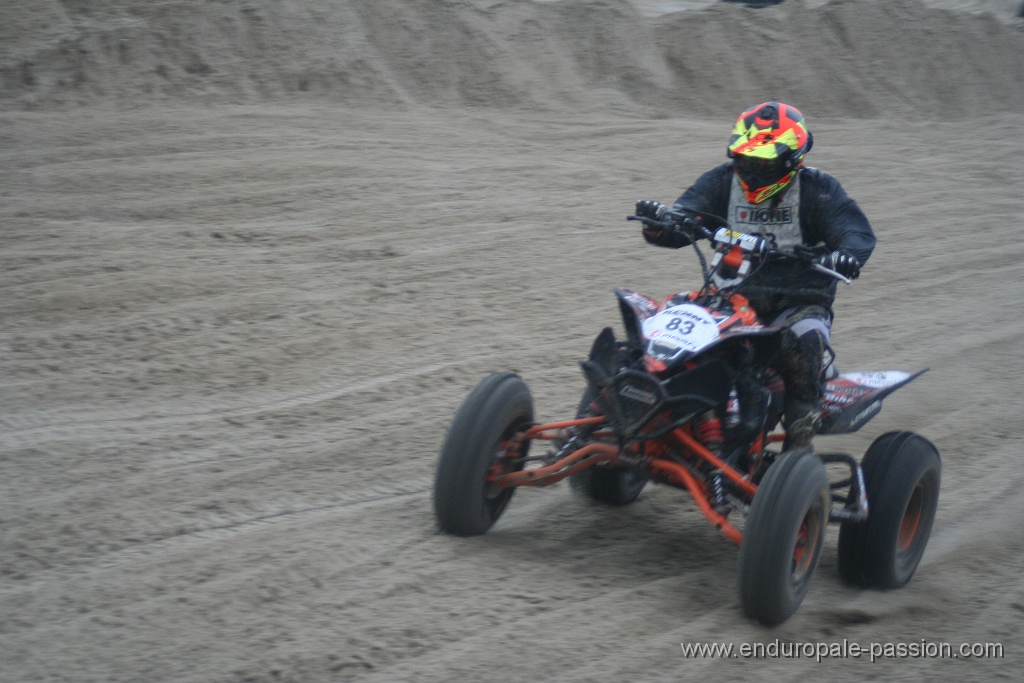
(674, 219)
(750, 244)
(808, 254)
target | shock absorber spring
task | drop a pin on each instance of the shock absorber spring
(709, 431)
(718, 490)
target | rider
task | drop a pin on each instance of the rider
(765, 189)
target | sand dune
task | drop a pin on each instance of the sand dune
(852, 58)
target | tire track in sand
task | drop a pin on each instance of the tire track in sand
(25, 429)
(228, 528)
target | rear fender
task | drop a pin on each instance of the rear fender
(853, 398)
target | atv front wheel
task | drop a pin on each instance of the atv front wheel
(604, 483)
(902, 471)
(480, 443)
(608, 484)
(783, 536)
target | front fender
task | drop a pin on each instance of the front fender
(635, 308)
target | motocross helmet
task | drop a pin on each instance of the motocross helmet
(767, 147)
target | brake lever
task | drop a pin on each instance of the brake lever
(828, 271)
(649, 221)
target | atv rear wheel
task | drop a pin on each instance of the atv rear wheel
(479, 442)
(902, 471)
(605, 483)
(783, 536)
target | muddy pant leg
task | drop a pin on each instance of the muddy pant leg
(802, 350)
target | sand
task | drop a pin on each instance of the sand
(254, 254)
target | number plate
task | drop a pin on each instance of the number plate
(687, 327)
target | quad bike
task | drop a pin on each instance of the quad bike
(689, 399)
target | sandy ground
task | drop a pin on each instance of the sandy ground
(232, 337)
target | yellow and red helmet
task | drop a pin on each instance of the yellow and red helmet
(767, 147)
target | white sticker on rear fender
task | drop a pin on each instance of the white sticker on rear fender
(688, 327)
(876, 380)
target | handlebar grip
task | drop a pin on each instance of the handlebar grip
(805, 251)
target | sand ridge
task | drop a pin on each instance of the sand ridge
(855, 58)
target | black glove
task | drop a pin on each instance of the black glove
(672, 236)
(648, 208)
(842, 262)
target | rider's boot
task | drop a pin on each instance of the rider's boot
(802, 420)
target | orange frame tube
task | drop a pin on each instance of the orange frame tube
(679, 474)
(728, 470)
(536, 431)
(576, 461)
(595, 453)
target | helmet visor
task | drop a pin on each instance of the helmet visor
(758, 173)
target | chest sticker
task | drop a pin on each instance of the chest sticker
(763, 215)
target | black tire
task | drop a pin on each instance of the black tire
(902, 473)
(605, 484)
(608, 485)
(783, 537)
(465, 504)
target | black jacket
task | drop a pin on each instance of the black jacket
(827, 217)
